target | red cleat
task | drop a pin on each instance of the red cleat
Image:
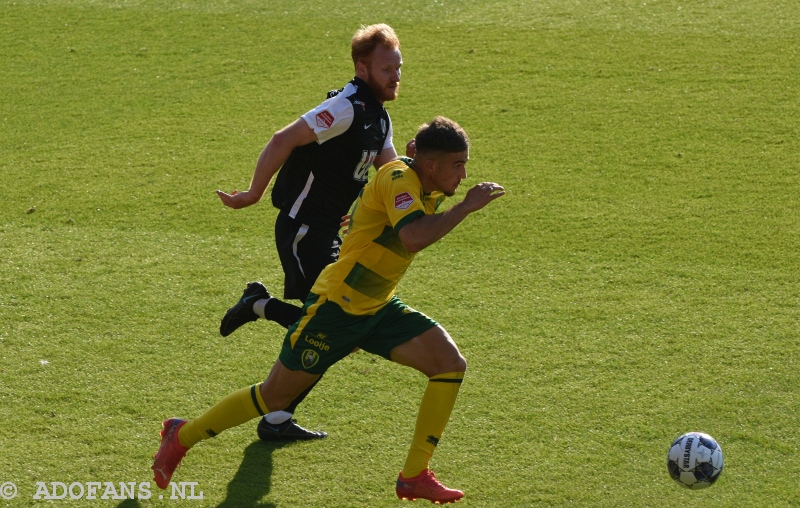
(426, 486)
(170, 453)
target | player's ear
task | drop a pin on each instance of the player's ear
(361, 69)
(429, 164)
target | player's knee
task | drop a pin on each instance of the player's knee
(453, 362)
(460, 364)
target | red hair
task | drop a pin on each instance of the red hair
(367, 38)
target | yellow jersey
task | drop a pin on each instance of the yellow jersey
(372, 259)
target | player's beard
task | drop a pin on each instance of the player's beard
(382, 93)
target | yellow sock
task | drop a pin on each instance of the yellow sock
(434, 412)
(235, 409)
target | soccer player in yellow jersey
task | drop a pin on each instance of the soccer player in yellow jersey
(353, 304)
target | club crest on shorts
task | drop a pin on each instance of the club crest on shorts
(310, 358)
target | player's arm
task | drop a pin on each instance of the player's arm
(426, 230)
(273, 156)
(387, 155)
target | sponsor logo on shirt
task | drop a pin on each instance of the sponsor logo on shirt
(403, 201)
(324, 119)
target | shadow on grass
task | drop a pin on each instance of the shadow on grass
(253, 480)
(129, 503)
(250, 483)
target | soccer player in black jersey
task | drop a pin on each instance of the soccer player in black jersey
(324, 158)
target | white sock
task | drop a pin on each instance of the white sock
(258, 307)
(277, 417)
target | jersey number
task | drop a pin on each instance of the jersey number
(362, 169)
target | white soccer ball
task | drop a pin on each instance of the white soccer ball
(695, 460)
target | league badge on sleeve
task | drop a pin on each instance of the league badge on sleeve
(324, 120)
(403, 200)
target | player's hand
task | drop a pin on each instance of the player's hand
(411, 148)
(482, 194)
(345, 222)
(238, 199)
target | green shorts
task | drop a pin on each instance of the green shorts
(325, 333)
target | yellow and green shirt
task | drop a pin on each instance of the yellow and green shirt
(372, 259)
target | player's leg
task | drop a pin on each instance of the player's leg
(304, 252)
(178, 436)
(322, 336)
(433, 352)
(254, 296)
(256, 301)
(436, 355)
(303, 258)
(410, 338)
(280, 388)
(281, 426)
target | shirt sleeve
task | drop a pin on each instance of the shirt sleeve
(402, 200)
(389, 143)
(331, 118)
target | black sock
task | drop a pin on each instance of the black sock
(291, 408)
(285, 314)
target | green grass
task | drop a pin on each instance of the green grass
(641, 278)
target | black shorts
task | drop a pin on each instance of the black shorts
(304, 252)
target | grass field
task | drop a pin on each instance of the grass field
(640, 279)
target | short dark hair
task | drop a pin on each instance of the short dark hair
(367, 38)
(441, 135)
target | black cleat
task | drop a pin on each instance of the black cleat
(242, 312)
(286, 431)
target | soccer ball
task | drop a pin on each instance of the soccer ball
(695, 460)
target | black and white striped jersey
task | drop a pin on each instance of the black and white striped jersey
(320, 180)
